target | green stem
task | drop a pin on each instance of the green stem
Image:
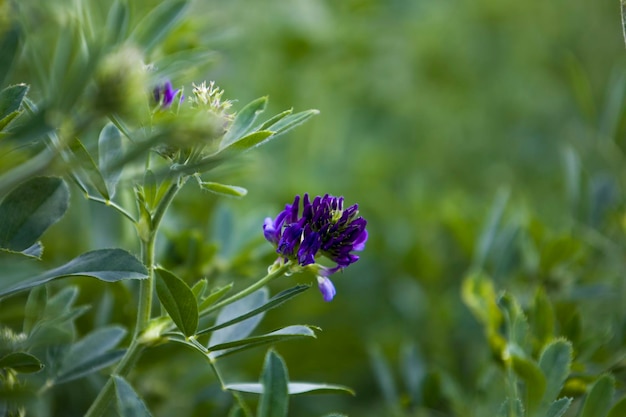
(144, 311)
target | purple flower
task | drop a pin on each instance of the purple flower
(324, 229)
(168, 94)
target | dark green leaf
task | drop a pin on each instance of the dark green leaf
(223, 189)
(199, 288)
(384, 377)
(178, 300)
(109, 152)
(8, 49)
(294, 388)
(558, 407)
(21, 362)
(274, 401)
(128, 402)
(534, 380)
(109, 265)
(272, 303)
(542, 317)
(599, 398)
(158, 23)
(30, 209)
(619, 409)
(244, 120)
(101, 361)
(82, 158)
(35, 307)
(234, 310)
(281, 335)
(555, 362)
(11, 99)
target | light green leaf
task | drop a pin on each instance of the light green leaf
(128, 402)
(558, 407)
(179, 301)
(21, 362)
(294, 388)
(248, 141)
(11, 99)
(599, 398)
(511, 408)
(8, 49)
(150, 188)
(30, 209)
(294, 120)
(274, 400)
(109, 265)
(117, 21)
(555, 362)
(35, 307)
(223, 189)
(110, 152)
(281, 335)
(199, 288)
(272, 303)
(534, 380)
(234, 310)
(243, 121)
(158, 23)
(272, 121)
(542, 317)
(490, 229)
(619, 409)
(215, 295)
(85, 163)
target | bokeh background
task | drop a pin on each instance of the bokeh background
(435, 116)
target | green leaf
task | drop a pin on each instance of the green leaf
(21, 362)
(234, 310)
(199, 288)
(294, 120)
(8, 49)
(11, 99)
(294, 388)
(555, 362)
(117, 21)
(158, 23)
(215, 295)
(272, 303)
(558, 407)
(91, 353)
(30, 209)
(273, 120)
(281, 335)
(223, 189)
(274, 400)
(35, 308)
(542, 317)
(534, 380)
(490, 229)
(128, 402)
(85, 163)
(511, 408)
(179, 301)
(248, 141)
(599, 398)
(243, 121)
(109, 265)
(619, 409)
(384, 377)
(109, 152)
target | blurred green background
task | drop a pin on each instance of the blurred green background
(434, 114)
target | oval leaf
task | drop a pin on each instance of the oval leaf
(243, 121)
(21, 362)
(558, 408)
(223, 189)
(599, 399)
(128, 402)
(82, 158)
(295, 388)
(30, 209)
(275, 398)
(109, 153)
(281, 335)
(109, 265)
(534, 380)
(619, 409)
(555, 362)
(179, 301)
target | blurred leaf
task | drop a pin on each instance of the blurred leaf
(293, 120)
(599, 399)
(542, 317)
(293, 387)
(413, 370)
(8, 50)
(384, 377)
(243, 121)
(158, 23)
(490, 229)
(555, 362)
(248, 141)
(511, 408)
(11, 100)
(30, 209)
(150, 188)
(109, 152)
(479, 296)
(21, 362)
(234, 310)
(274, 400)
(179, 301)
(272, 120)
(82, 159)
(223, 189)
(117, 21)
(558, 407)
(534, 380)
(215, 295)
(128, 402)
(35, 307)
(281, 335)
(109, 265)
(274, 302)
(619, 409)
(91, 353)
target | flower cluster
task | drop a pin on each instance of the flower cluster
(210, 97)
(324, 229)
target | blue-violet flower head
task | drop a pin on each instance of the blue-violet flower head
(165, 94)
(324, 228)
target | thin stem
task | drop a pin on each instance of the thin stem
(113, 204)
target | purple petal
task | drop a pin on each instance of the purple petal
(326, 288)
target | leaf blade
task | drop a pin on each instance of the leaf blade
(179, 301)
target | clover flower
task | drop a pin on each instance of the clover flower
(165, 94)
(325, 228)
